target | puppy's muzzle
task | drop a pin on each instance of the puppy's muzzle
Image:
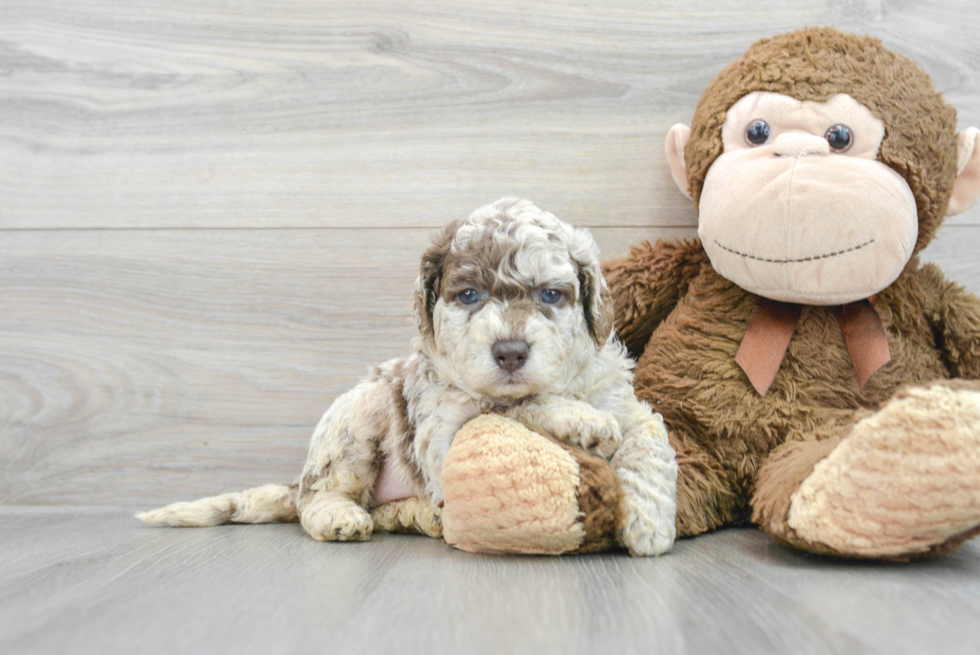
(510, 355)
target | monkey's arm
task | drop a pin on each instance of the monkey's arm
(647, 284)
(958, 323)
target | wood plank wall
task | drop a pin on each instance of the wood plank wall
(211, 211)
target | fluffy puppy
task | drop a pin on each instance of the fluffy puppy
(514, 317)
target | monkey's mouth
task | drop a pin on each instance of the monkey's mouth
(770, 260)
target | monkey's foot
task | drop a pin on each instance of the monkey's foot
(511, 490)
(905, 482)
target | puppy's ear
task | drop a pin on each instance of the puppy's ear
(430, 277)
(597, 301)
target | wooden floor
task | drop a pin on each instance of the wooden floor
(92, 581)
(211, 215)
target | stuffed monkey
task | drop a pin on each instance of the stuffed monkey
(815, 378)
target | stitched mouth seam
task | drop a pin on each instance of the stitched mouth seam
(795, 261)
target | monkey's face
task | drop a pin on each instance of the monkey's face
(798, 209)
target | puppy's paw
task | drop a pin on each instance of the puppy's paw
(645, 540)
(410, 515)
(594, 430)
(338, 522)
(643, 534)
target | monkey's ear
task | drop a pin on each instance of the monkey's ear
(966, 189)
(677, 139)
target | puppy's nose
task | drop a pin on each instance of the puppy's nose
(510, 355)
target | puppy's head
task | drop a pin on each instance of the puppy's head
(511, 302)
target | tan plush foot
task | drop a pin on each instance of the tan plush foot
(411, 516)
(511, 490)
(904, 482)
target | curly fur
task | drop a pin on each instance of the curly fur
(576, 385)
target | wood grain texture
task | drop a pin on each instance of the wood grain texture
(154, 365)
(140, 365)
(211, 212)
(83, 581)
(278, 113)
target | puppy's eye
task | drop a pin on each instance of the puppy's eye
(468, 296)
(550, 296)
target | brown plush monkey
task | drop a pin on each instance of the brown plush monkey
(815, 378)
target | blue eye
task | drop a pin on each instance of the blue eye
(468, 296)
(550, 296)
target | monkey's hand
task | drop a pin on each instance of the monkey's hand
(647, 284)
(958, 322)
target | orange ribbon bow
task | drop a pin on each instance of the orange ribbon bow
(773, 323)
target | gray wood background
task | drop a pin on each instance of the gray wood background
(211, 212)
(270, 590)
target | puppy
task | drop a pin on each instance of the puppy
(514, 317)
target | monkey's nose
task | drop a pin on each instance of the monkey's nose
(510, 355)
(796, 144)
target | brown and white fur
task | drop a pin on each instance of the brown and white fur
(514, 317)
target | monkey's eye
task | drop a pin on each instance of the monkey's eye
(757, 133)
(839, 137)
(550, 296)
(468, 296)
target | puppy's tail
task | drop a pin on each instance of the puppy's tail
(269, 503)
